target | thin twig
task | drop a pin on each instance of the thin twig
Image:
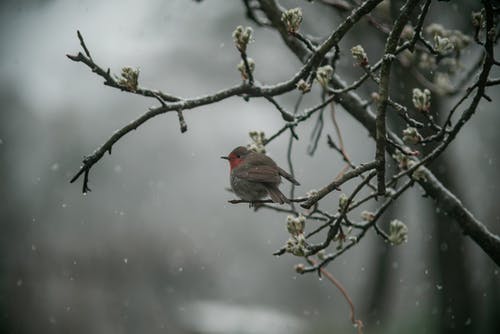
(248, 70)
(317, 130)
(337, 183)
(289, 153)
(304, 40)
(329, 258)
(358, 323)
(284, 114)
(262, 201)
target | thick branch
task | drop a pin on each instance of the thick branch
(353, 104)
(385, 73)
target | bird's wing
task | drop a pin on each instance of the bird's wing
(265, 174)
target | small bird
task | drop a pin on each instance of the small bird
(254, 175)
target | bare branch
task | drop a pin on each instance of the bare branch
(263, 201)
(358, 323)
(284, 114)
(357, 108)
(337, 183)
(250, 90)
(365, 228)
(385, 72)
(314, 52)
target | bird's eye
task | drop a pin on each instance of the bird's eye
(238, 156)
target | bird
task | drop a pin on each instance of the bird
(254, 175)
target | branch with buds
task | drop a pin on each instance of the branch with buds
(432, 53)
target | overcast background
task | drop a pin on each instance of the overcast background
(155, 248)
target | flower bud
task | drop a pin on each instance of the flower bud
(129, 78)
(324, 74)
(402, 159)
(398, 232)
(321, 255)
(443, 45)
(434, 29)
(243, 69)
(367, 216)
(296, 245)
(343, 199)
(419, 174)
(303, 86)
(292, 18)
(359, 54)
(259, 139)
(422, 99)
(411, 136)
(295, 225)
(242, 36)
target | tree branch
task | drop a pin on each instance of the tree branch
(338, 182)
(385, 72)
(180, 104)
(445, 200)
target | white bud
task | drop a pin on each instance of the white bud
(411, 136)
(324, 74)
(367, 216)
(243, 69)
(242, 36)
(129, 78)
(343, 199)
(419, 174)
(292, 18)
(359, 54)
(422, 99)
(443, 45)
(259, 139)
(398, 232)
(303, 86)
(435, 29)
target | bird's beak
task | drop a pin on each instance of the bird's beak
(226, 158)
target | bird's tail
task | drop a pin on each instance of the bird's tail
(276, 195)
(288, 176)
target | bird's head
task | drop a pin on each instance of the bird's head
(237, 156)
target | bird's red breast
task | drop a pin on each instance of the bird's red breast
(234, 161)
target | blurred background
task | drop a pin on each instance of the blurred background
(155, 247)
